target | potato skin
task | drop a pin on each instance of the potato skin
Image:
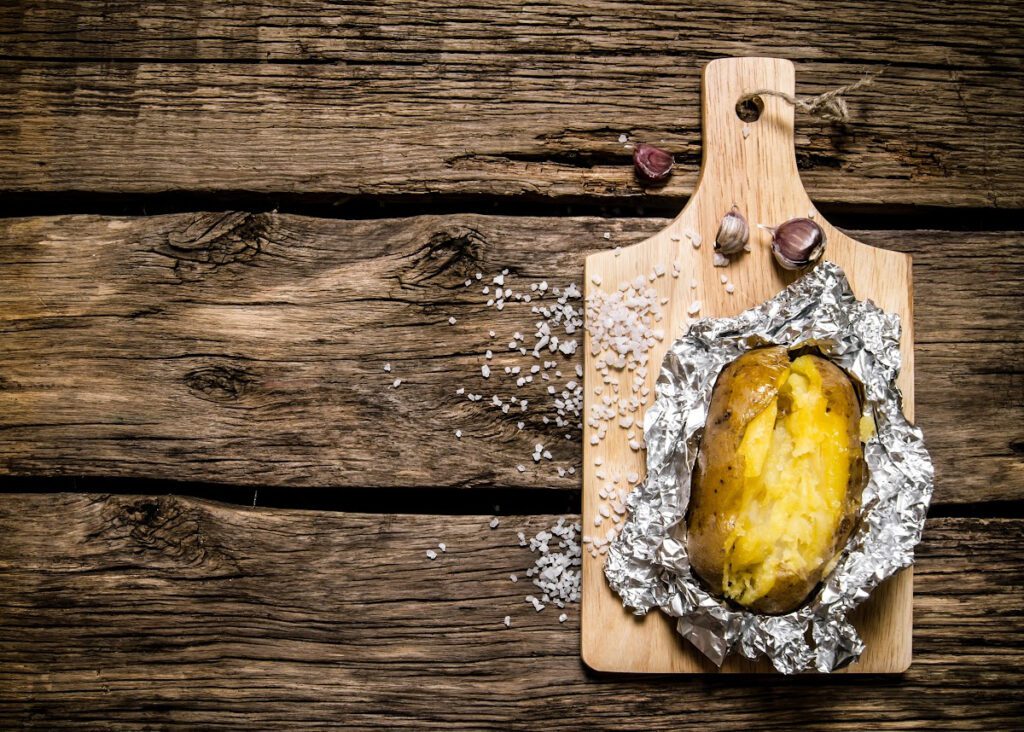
(744, 389)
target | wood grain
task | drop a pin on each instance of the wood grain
(446, 98)
(249, 348)
(750, 167)
(128, 611)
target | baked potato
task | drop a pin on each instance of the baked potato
(778, 480)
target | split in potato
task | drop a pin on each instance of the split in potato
(778, 479)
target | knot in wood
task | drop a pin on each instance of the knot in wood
(452, 253)
(219, 383)
(211, 242)
(170, 529)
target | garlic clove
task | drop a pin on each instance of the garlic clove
(733, 233)
(797, 243)
(652, 164)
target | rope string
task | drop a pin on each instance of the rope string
(829, 105)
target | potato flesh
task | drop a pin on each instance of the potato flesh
(795, 478)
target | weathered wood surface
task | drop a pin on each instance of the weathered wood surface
(500, 98)
(125, 611)
(249, 348)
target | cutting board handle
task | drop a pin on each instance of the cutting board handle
(743, 160)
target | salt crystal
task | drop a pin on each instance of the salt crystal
(607, 235)
(730, 288)
(458, 433)
(623, 138)
(694, 307)
(451, 320)
(596, 279)
(723, 279)
(494, 523)
(521, 468)
(562, 618)
(720, 260)
(387, 368)
(442, 546)
(396, 383)
(508, 621)
(486, 371)
(431, 554)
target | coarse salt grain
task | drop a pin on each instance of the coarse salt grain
(396, 383)
(562, 618)
(458, 434)
(507, 621)
(431, 554)
(451, 320)
(443, 547)
(387, 368)
(730, 288)
(494, 523)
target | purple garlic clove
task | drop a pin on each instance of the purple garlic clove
(652, 164)
(797, 243)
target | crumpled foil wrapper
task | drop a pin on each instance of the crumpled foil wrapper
(648, 566)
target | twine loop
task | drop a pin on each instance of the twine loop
(830, 105)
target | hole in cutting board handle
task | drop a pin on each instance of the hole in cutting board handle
(749, 110)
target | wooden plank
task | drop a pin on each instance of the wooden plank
(132, 610)
(498, 98)
(741, 163)
(249, 348)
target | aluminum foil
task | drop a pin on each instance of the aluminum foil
(648, 565)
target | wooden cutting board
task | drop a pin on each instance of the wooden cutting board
(752, 166)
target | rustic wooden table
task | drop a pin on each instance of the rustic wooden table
(220, 220)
